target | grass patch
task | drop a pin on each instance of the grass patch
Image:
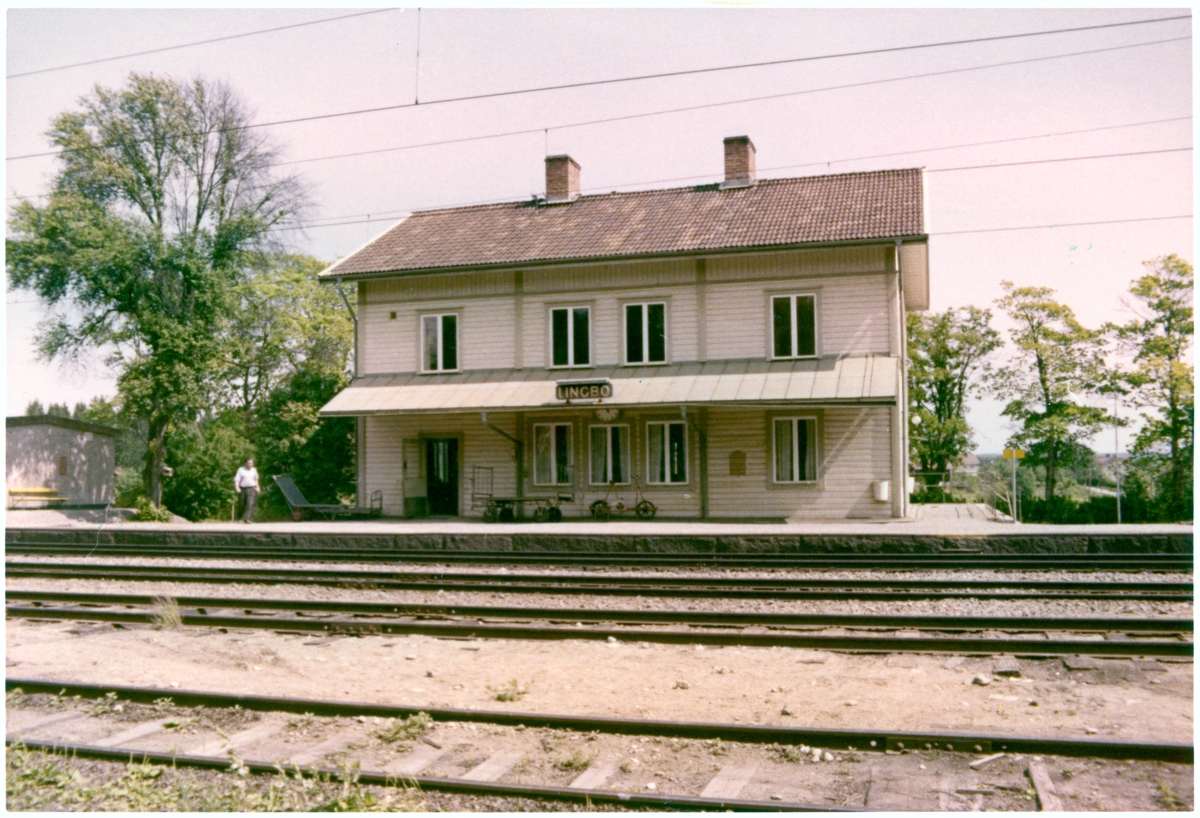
(46, 781)
(166, 614)
(791, 755)
(407, 729)
(1168, 800)
(511, 692)
(577, 763)
(717, 748)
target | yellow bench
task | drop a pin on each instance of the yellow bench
(49, 497)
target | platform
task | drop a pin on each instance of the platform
(933, 528)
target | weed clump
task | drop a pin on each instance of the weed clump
(407, 729)
(576, 763)
(166, 614)
(511, 692)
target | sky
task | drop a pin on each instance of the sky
(1085, 224)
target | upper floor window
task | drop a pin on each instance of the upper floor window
(551, 454)
(666, 452)
(795, 450)
(610, 455)
(795, 326)
(439, 342)
(645, 333)
(570, 336)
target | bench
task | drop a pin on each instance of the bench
(47, 497)
(330, 511)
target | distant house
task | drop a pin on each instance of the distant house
(53, 460)
(970, 465)
(731, 350)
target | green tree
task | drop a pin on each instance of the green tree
(318, 453)
(1160, 339)
(948, 355)
(35, 408)
(205, 456)
(162, 190)
(281, 318)
(1056, 361)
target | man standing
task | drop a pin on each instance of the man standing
(245, 483)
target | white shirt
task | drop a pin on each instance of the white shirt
(247, 478)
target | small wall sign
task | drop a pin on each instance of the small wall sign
(582, 390)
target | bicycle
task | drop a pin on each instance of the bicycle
(643, 508)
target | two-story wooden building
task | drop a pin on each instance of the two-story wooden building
(735, 348)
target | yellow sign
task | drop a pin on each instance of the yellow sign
(1009, 454)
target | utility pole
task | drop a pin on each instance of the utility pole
(1117, 449)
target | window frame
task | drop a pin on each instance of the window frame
(793, 327)
(813, 447)
(645, 305)
(650, 467)
(570, 309)
(628, 450)
(570, 464)
(441, 345)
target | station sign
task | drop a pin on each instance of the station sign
(1009, 454)
(583, 390)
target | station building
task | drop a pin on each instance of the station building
(733, 350)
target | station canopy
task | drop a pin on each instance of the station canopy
(824, 381)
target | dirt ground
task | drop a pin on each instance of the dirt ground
(1112, 698)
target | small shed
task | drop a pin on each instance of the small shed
(53, 460)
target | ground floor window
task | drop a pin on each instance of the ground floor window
(795, 450)
(666, 452)
(609, 454)
(552, 454)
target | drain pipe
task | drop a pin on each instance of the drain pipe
(519, 446)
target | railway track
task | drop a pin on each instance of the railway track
(1045, 636)
(659, 586)
(698, 766)
(949, 558)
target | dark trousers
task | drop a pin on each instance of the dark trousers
(246, 500)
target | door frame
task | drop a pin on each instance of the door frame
(425, 437)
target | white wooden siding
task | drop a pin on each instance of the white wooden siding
(914, 269)
(852, 316)
(852, 451)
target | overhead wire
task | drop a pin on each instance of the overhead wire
(193, 44)
(565, 126)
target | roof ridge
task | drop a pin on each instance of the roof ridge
(684, 188)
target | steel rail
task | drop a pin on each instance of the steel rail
(950, 558)
(1053, 645)
(607, 579)
(862, 740)
(696, 587)
(711, 618)
(454, 785)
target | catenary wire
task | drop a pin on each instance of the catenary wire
(826, 162)
(382, 216)
(194, 44)
(644, 114)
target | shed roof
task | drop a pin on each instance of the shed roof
(827, 380)
(64, 423)
(774, 212)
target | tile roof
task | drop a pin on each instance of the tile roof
(813, 209)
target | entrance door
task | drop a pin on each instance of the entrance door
(441, 474)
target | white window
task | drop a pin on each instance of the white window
(666, 452)
(795, 450)
(645, 333)
(794, 320)
(609, 455)
(439, 342)
(570, 336)
(551, 454)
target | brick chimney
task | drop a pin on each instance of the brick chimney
(739, 162)
(562, 179)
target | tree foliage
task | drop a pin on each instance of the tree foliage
(1055, 363)
(161, 192)
(1160, 339)
(948, 355)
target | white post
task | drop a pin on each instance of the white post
(1116, 450)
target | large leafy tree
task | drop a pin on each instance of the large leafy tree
(948, 355)
(162, 190)
(1056, 362)
(1160, 338)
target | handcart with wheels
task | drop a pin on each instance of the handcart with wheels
(643, 508)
